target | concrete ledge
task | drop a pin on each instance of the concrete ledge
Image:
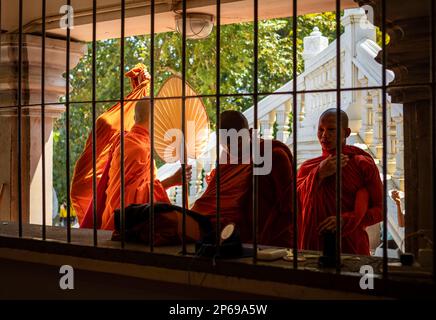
(275, 279)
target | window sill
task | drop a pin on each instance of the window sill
(166, 264)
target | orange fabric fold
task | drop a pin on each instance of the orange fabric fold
(107, 129)
(136, 176)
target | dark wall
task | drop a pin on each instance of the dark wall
(22, 280)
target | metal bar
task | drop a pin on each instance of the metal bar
(19, 120)
(184, 159)
(1, 23)
(338, 137)
(294, 131)
(254, 145)
(433, 123)
(230, 95)
(122, 209)
(94, 117)
(384, 139)
(67, 104)
(152, 220)
(218, 121)
(43, 34)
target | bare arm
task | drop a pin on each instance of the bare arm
(400, 216)
(176, 178)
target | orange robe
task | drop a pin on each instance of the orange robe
(136, 176)
(107, 131)
(274, 199)
(317, 201)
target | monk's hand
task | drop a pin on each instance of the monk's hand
(396, 197)
(327, 167)
(328, 225)
(177, 178)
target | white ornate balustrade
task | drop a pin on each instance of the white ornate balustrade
(364, 107)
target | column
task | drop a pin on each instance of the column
(367, 129)
(266, 125)
(282, 118)
(196, 182)
(178, 195)
(301, 107)
(31, 166)
(391, 141)
(377, 143)
(398, 175)
(313, 45)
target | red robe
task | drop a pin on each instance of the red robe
(235, 181)
(317, 201)
(274, 199)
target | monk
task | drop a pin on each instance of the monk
(275, 206)
(136, 170)
(107, 138)
(361, 191)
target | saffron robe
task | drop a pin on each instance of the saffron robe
(136, 176)
(317, 201)
(274, 198)
(107, 134)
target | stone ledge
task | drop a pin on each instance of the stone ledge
(276, 279)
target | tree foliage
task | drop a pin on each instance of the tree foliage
(236, 73)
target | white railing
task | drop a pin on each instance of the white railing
(358, 69)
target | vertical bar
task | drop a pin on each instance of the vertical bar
(338, 137)
(152, 231)
(254, 145)
(294, 130)
(184, 159)
(94, 116)
(218, 121)
(433, 123)
(123, 218)
(19, 120)
(1, 29)
(384, 139)
(43, 32)
(67, 103)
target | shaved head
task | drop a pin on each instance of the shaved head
(332, 113)
(327, 129)
(232, 119)
(234, 136)
(142, 112)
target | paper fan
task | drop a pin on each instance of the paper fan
(168, 122)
